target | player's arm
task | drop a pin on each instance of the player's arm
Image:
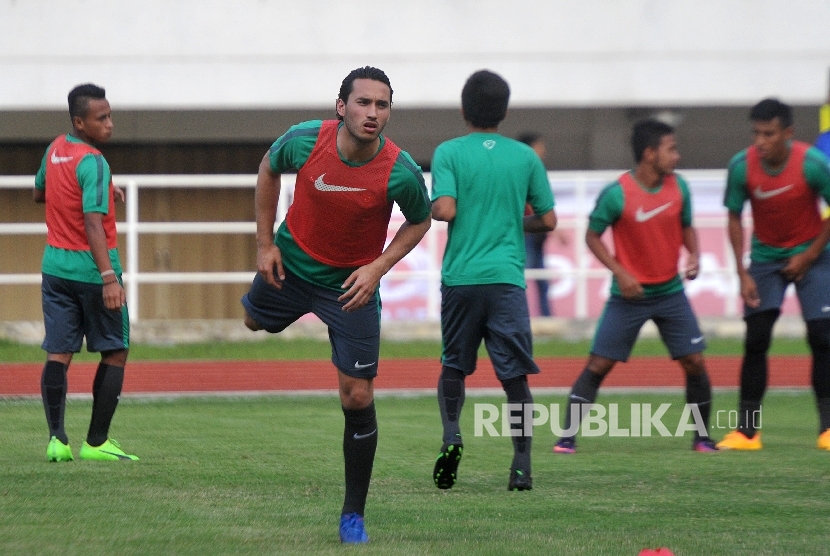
(735, 231)
(269, 258)
(443, 208)
(629, 287)
(39, 195)
(534, 223)
(690, 242)
(113, 294)
(817, 172)
(39, 192)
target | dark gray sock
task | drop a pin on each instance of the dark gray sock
(53, 387)
(451, 393)
(583, 393)
(518, 392)
(106, 391)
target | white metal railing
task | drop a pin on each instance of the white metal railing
(575, 193)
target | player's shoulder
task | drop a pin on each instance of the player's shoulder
(407, 167)
(814, 155)
(739, 159)
(682, 182)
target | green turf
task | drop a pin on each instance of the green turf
(263, 475)
(278, 348)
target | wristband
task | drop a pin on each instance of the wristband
(107, 273)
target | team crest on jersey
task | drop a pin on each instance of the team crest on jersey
(489, 144)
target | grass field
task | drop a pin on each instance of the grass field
(278, 348)
(263, 475)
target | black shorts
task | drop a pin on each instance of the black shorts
(74, 310)
(495, 313)
(354, 336)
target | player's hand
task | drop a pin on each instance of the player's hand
(362, 285)
(119, 193)
(692, 267)
(749, 292)
(630, 288)
(797, 266)
(269, 265)
(114, 296)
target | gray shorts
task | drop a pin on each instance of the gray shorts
(354, 336)
(622, 320)
(74, 310)
(495, 313)
(813, 291)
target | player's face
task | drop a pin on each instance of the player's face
(96, 126)
(666, 156)
(771, 140)
(367, 109)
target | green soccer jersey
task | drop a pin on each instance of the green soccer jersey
(492, 178)
(406, 188)
(93, 175)
(816, 173)
(609, 208)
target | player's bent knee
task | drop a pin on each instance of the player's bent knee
(251, 323)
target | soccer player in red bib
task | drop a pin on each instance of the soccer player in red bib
(81, 288)
(783, 180)
(649, 211)
(328, 255)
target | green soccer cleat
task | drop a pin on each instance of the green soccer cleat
(108, 451)
(58, 451)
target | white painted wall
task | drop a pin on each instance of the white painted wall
(294, 53)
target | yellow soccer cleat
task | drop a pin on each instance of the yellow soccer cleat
(737, 440)
(823, 442)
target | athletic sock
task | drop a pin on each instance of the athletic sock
(699, 392)
(451, 394)
(106, 391)
(818, 336)
(53, 387)
(518, 393)
(583, 393)
(749, 417)
(360, 441)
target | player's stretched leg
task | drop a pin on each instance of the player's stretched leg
(583, 394)
(360, 442)
(53, 388)
(106, 392)
(518, 394)
(818, 336)
(451, 394)
(754, 372)
(699, 393)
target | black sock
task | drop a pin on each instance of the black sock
(53, 387)
(699, 392)
(451, 394)
(583, 394)
(360, 441)
(754, 369)
(818, 336)
(106, 391)
(518, 392)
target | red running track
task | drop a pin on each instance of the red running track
(148, 377)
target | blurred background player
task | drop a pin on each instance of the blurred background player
(783, 181)
(81, 287)
(535, 241)
(481, 183)
(328, 256)
(649, 211)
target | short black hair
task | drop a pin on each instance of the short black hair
(648, 133)
(529, 137)
(484, 99)
(771, 108)
(80, 96)
(366, 72)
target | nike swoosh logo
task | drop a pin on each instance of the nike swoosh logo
(825, 309)
(59, 159)
(579, 398)
(697, 340)
(321, 185)
(772, 192)
(362, 436)
(119, 456)
(641, 216)
(357, 365)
